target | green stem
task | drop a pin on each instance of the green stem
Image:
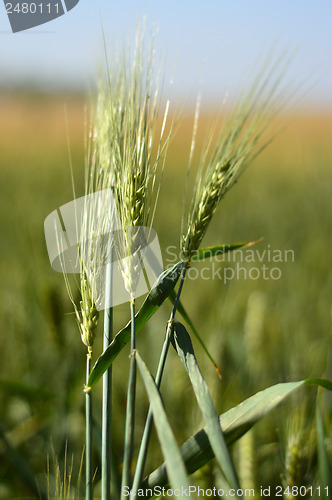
(106, 456)
(160, 370)
(130, 412)
(88, 435)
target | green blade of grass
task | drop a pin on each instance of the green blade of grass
(321, 382)
(186, 317)
(184, 348)
(196, 451)
(176, 471)
(159, 293)
(205, 253)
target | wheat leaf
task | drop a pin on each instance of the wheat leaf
(184, 348)
(175, 468)
(159, 293)
(208, 252)
(196, 451)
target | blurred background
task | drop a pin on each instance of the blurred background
(259, 331)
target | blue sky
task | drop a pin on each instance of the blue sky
(208, 42)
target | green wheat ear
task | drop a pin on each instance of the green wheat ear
(128, 145)
(85, 310)
(88, 313)
(240, 139)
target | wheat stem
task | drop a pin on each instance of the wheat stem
(88, 435)
(130, 411)
(106, 455)
(160, 370)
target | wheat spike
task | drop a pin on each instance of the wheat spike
(240, 139)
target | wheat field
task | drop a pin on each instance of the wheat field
(260, 330)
